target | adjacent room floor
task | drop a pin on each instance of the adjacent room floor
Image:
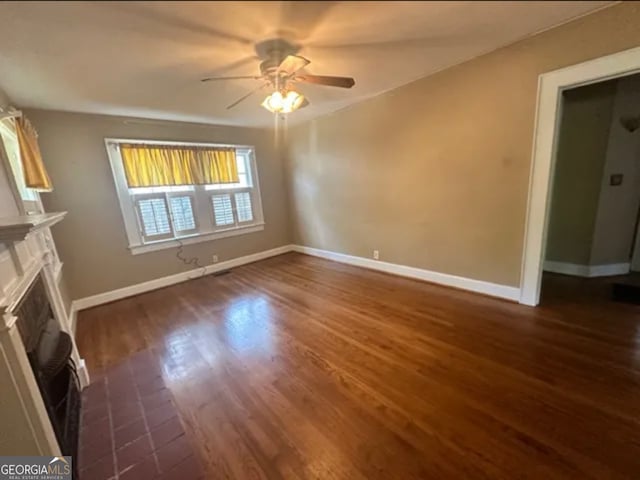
(297, 367)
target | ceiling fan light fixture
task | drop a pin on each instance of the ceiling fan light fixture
(287, 103)
(273, 102)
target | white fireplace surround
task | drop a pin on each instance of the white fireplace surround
(26, 251)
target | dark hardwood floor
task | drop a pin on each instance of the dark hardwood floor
(297, 367)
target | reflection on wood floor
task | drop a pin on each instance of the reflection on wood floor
(298, 367)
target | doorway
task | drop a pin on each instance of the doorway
(545, 148)
(595, 196)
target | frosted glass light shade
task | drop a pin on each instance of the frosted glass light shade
(279, 103)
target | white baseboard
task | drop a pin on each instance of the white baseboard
(566, 268)
(588, 271)
(609, 270)
(478, 286)
(120, 293)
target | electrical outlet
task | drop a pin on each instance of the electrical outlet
(215, 259)
(376, 255)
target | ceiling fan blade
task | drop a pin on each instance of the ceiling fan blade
(246, 96)
(292, 63)
(305, 103)
(244, 77)
(342, 82)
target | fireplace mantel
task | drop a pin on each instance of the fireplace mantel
(15, 229)
(26, 247)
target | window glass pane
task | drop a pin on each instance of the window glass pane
(243, 207)
(244, 175)
(10, 140)
(223, 213)
(154, 216)
(242, 163)
(182, 213)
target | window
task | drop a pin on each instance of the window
(30, 198)
(165, 216)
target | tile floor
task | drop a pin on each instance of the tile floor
(131, 429)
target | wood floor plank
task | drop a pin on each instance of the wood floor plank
(297, 367)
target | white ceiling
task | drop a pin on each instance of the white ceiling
(146, 58)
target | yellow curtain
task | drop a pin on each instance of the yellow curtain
(35, 174)
(162, 165)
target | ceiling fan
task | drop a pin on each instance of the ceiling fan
(280, 69)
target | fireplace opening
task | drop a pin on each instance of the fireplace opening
(49, 351)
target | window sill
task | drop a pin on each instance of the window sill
(198, 238)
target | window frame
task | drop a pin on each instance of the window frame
(19, 189)
(206, 230)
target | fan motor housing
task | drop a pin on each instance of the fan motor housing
(272, 52)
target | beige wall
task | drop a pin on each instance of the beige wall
(618, 205)
(435, 174)
(582, 150)
(91, 240)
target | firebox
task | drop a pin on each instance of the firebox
(49, 351)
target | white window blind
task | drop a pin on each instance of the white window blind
(243, 207)
(182, 213)
(222, 209)
(154, 217)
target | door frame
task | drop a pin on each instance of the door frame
(545, 143)
(635, 248)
